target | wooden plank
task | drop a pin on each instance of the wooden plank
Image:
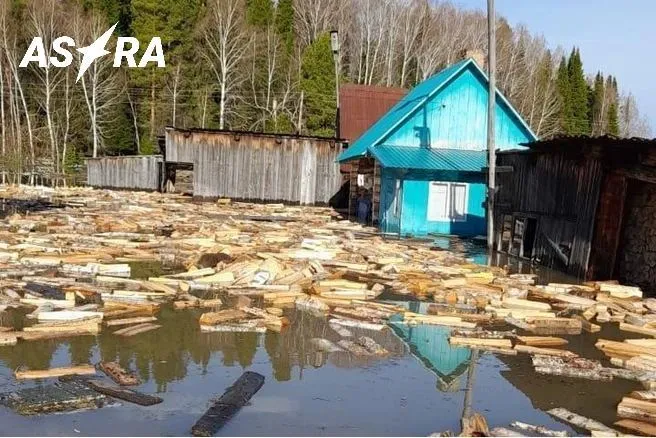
(545, 351)
(480, 342)
(130, 321)
(640, 427)
(136, 329)
(55, 372)
(542, 341)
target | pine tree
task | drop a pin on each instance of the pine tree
(318, 82)
(259, 12)
(564, 97)
(597, 105)
(285, 23)
(173, 21)
(613, 124)
(580, 123)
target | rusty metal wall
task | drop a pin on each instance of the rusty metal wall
(128, 172)
(258, 166)
(561, 191)
(362, 105)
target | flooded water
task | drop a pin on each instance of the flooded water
(421, 388)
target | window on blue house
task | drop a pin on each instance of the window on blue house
(447, 201)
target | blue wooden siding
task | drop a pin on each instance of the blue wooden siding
(414, 204)
(456, 118)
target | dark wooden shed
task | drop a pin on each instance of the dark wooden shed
(585, 205)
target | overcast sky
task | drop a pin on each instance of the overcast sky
(616, 37)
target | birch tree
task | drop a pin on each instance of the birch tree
(101, 84)
(225, 44)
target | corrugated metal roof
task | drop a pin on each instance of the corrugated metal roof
(413, 100)
(362, 105)
(399, 157)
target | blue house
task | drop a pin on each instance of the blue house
(430, 149)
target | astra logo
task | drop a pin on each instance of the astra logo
(126, 48)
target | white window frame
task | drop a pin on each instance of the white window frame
(431, 212)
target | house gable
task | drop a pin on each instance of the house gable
(456, 118)
(463, 86)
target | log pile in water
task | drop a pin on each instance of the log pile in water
(69, 269)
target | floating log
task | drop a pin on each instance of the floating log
(537, 430)
(229, 404)
(55, 372)
(118, 374)
(582, 422)
(120, 393)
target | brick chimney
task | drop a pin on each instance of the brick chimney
(478, 56)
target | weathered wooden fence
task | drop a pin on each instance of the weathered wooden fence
(127, 172)
(258, 166)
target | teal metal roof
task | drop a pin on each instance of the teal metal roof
(407, 106)
(400, 157)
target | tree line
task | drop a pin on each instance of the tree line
(263, 65)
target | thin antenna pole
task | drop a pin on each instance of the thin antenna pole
(491, 103)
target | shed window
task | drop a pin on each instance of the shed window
(447, 201)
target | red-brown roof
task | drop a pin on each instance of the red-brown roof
(362, 105)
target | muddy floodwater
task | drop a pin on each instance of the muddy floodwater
(422, 387)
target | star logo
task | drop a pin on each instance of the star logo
(94, 51)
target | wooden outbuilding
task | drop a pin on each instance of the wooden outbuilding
(584, 205)
(255, 166)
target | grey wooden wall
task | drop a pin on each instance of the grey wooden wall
(562, 192)
(258, 166)
(128, 172)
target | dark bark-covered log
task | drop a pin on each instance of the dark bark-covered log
(123, 393)
(229, 404)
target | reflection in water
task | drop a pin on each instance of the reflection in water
(164, 355)
(430, 344)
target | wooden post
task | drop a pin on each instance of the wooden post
(491, 103)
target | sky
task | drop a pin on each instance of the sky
(616, 37)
